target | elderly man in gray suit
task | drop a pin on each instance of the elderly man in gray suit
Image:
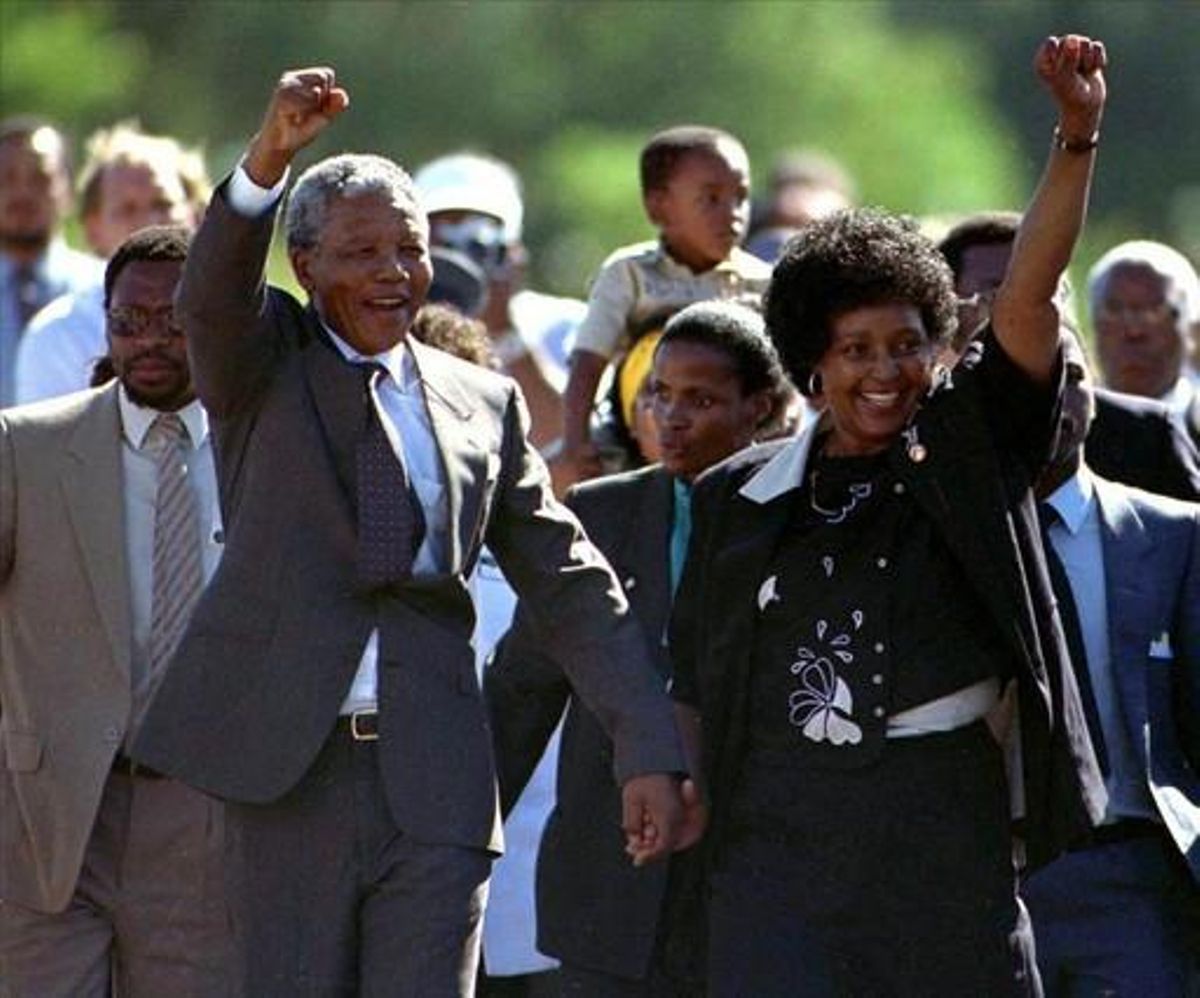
(111, 877)
(326, 686)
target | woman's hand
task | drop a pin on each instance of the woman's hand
(1072, 68)
(1025, 314)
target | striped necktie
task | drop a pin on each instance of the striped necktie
(178, 570)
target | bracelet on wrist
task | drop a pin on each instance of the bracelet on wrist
(1066, 144)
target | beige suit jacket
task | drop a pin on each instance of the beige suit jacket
(65, 636)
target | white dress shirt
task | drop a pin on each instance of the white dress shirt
(510, 921)
(61, 345)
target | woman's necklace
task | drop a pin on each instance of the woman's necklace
(857, 493)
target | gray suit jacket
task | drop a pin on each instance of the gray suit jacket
(65, 636)
(1152, 568)
(255, 687)
(595, 910)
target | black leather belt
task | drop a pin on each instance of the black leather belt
(362, 725)
(129, 767)
(1125, 830)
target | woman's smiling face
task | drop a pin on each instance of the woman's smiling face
(873, 375)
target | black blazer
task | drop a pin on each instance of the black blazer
(595, 909)
(1140, 442)
(978, 493)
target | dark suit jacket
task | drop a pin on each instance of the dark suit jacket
(1139, 442)
(255, 687)
(1152, 578)
(595, 909)
(978, 494)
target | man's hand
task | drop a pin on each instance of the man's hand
(305, 101)
(1072, 68)
(653, 816)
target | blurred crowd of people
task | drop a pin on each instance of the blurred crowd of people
(819, 613)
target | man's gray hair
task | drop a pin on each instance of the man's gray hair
(1183, 285)
(348, 175)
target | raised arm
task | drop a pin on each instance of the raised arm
(223, 299)
(305, 101)
(1024, 315)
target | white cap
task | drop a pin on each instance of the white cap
(469, 182)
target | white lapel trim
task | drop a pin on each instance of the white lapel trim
(785, 470)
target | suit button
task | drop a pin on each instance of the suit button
(878, 711)
(112, 735)
(898, 488)
(877, 679)
(881, 562)
(629, 583)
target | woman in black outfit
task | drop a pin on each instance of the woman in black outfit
(856, 600)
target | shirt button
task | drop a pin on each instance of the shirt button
(878, 711)
(881, 562)
(878, 647)
(898, 488)
(877, 679)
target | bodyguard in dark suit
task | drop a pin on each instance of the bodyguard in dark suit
(1134, 440)
(1120, 913)
(716, 381)
(327, 686)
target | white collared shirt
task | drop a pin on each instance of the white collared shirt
(140, 477)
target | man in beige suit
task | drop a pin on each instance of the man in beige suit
(110, 875)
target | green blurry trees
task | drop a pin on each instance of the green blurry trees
(932, 106)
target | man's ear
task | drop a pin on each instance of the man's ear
(301, 258)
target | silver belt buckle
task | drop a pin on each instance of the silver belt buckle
(364, 736)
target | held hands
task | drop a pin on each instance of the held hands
(661, 815)
(1072, 68)
(305, 101)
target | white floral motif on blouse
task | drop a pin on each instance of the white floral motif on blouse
(822, 707)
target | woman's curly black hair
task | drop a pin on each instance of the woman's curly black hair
(855, 258)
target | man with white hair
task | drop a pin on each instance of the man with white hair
(1145, 303)
(475, 207)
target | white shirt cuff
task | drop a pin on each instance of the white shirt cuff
(247, 198)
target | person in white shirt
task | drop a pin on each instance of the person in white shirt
(130, 180)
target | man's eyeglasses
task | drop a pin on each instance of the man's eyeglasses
(129, 321)
(1136, 315)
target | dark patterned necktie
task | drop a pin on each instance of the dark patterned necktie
(391, 523)
(1073, 632)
